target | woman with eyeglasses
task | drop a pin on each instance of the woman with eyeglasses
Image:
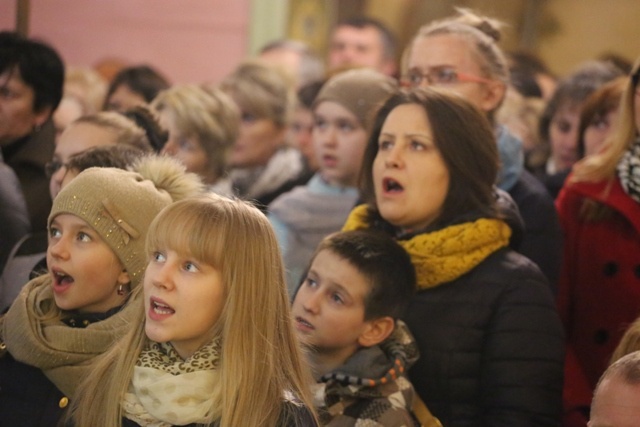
(461, 53)
(599, 288)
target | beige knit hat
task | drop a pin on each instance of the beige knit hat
(119, 205)
(360, 91)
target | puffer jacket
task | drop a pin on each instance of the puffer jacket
(491, 346)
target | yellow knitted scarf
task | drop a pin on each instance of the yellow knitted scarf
(444, 255)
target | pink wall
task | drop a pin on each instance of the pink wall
(188, 40)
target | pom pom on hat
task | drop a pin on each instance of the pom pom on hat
(119, 205)
(360, 91)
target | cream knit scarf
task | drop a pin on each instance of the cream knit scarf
(63, 353)
(166, 390)
(444, 255)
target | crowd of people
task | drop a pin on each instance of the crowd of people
(442, 234)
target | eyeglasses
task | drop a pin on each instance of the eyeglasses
(52, 167)
(440, 76)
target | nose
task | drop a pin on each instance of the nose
(393, 158)
(328, 137)
(162, 276)
(311, 303)
(58, 248)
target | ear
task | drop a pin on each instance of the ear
(376, 331)
(494, 92)
(123, 278)
(388, 67)
(42, 115)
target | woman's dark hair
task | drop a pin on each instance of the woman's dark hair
(142, 79)
(574, 89)
(143, 117)
(465, 139)
(39, 65)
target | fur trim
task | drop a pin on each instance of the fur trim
(170, 175)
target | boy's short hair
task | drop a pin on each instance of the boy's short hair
(385, 264)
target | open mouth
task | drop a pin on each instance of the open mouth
(391, 185)
(304, 323)
(60, 278)
(161, 308)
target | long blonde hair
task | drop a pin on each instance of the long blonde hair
(602, 166)
(260, 358)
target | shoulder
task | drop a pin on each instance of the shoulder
(296, 414)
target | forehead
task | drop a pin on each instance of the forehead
(443, 50)
(407, 118)
(616, 404)
(79, 137)
(335, 269)
(334, 110)
(367, 35)
(12, 77)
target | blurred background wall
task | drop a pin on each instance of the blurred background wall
(202, 40)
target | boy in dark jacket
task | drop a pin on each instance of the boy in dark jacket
(346, 311)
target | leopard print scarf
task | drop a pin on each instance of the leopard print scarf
(166, 390)
(629, 170)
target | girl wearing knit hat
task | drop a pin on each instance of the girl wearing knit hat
(62, 320)
(213, 344)
(343, 112)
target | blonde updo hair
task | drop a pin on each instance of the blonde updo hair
(210, 116)
(264, 91)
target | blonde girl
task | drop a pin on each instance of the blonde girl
(215, 315)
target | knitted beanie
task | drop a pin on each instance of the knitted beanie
(360, 91)
(119, 205)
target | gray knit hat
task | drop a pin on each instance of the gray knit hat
(361, 91)
(119, 205)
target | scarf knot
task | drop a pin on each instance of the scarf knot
(444, 255)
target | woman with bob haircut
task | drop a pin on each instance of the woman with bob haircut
(483, 317)
(599, 294)
(262, 165)
(215, 328)
(203, 125)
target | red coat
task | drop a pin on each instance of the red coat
(599, 288)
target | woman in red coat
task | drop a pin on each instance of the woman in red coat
(599, 294)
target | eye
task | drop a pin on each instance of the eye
(445, 75)
(384, 145)
(311, 282)
(346, 126)
(414, 77)
(337, 298)
(190, 267)
(320, 123)
(248, 118)
(563, 126)
(417, 145)
(54, 233)
(83, 237)
(158, 256)
(600, 123)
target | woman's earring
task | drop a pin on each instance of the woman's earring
(120, 290)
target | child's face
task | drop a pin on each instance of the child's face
(410, 177)
(339, 141)
(183, 300)
(85, 271)
(328, 310)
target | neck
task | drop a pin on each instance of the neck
(325, 361)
